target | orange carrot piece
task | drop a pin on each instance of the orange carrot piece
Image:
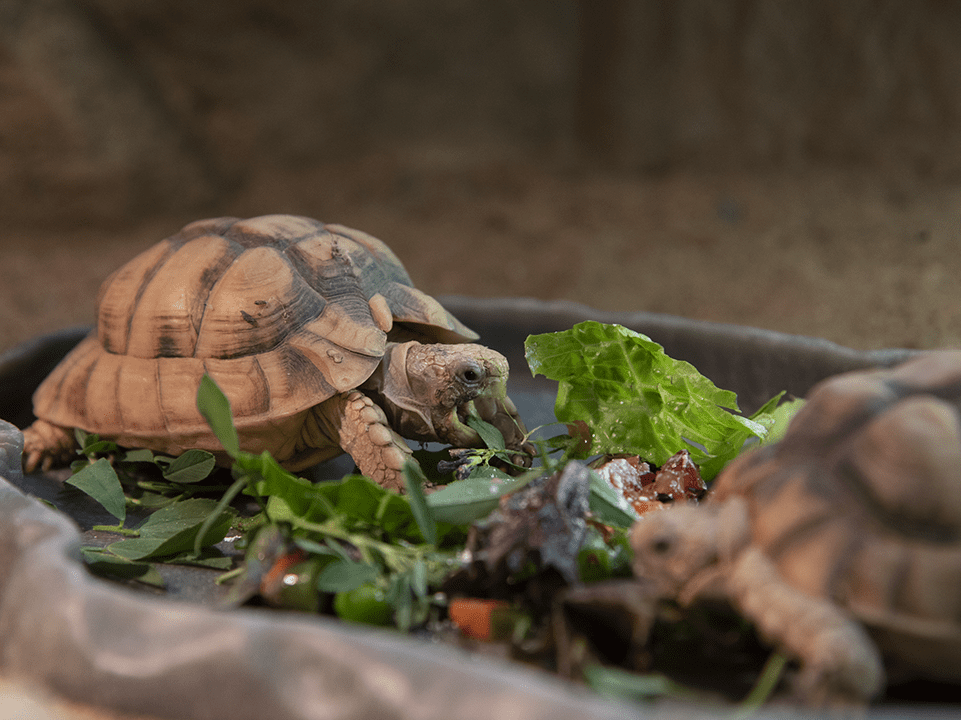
(472, 616)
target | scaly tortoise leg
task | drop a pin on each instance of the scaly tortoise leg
(361, 429)
(840, 665)
(46, 444)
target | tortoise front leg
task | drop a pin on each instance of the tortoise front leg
(360, 427)
(840, 665)
(46, 445)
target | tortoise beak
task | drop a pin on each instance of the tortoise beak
(501, 412)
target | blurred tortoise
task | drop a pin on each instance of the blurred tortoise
(842, 542)
(314, 332)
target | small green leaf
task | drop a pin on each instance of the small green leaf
(777, 419)
(173, 529)
(464, 501)
(139, 455)
(342, 575)
(91, 444)
(215, 407)
(414, 481)
(208, 558)
(270, 480)
(113, 566)
(183, 515)
(766, 683)
(315, 548)
(617, 683)
(608, 505)
(99, 480)
(491, 436)
(191, 467)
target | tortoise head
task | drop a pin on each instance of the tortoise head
(431, 390)
(680, 550)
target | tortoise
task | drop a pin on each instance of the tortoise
(313, 331)
(841, 542)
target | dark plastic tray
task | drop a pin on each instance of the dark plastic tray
(177, 656)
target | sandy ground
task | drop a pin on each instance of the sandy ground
(863, 260)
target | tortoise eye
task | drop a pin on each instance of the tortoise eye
(470, 374)
(661, 545)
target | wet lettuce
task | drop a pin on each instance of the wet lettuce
(619, 392)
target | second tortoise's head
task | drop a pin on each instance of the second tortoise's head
(680, 550)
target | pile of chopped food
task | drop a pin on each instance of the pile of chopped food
(527, 562)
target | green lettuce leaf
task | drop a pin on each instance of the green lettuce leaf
(634, 398)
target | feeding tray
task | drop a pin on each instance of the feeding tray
(175, 654)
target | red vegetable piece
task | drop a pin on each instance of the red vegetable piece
(679, 479)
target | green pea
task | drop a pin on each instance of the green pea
(366, 603)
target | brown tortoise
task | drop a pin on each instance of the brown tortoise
(314, 332)
(842, 542)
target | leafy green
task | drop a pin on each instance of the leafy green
(174, 529)
(608, 505)
(107, 565)
(215, 407)
(634, 398)
(777, 419)
(491, 436)
(464, 501)
(99, 480)
(191, 467)
(766, 682)
(614, 682)
(423, 515)
(342, 575)
(380, 538)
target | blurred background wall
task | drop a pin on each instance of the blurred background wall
(774, 163)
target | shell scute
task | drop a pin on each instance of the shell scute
(373, 251)
(254, 305)
(242, 380)
(291, 377)
(178, 380)
(166, 314)
(817, 563)
(138, 396)
(120, 293)
(918, 437)
(65, 401)
(101, 406)
(272, 230)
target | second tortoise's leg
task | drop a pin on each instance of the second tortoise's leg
(46, 445)
(840, 665)
(360, 428)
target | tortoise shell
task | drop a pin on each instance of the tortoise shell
(281, 311)
(860, 503)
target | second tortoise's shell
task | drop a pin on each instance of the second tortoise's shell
(861, 503)
(282, 312)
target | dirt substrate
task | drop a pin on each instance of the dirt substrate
(864, 260)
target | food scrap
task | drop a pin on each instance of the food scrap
(647, 488)
(530, 543)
